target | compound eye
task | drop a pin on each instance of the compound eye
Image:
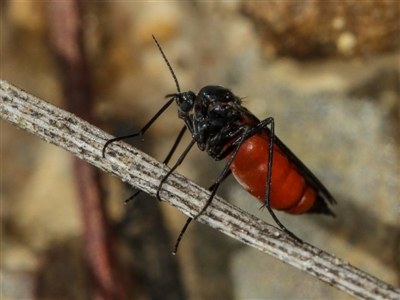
(185, 101)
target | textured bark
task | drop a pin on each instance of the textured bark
(65, 130)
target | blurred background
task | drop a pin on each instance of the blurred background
(327, 72)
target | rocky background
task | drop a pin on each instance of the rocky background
(327, 72)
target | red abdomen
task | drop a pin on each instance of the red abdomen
(289, 190)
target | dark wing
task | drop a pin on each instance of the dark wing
(324, 197)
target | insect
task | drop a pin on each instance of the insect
(259, 160)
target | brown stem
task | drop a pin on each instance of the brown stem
(66, 25)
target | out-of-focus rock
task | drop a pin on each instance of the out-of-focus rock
(312, 29)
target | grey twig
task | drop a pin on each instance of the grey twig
(65, 130)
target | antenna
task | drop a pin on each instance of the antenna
(168, 64)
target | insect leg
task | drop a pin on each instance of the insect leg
(183, 230)
(142, 131)
(166, 160)
(264, 125)
(190, 219)
(175, 145)
(179, 161)
(223, 179)
(224, 174)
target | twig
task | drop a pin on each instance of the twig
(65, 130)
